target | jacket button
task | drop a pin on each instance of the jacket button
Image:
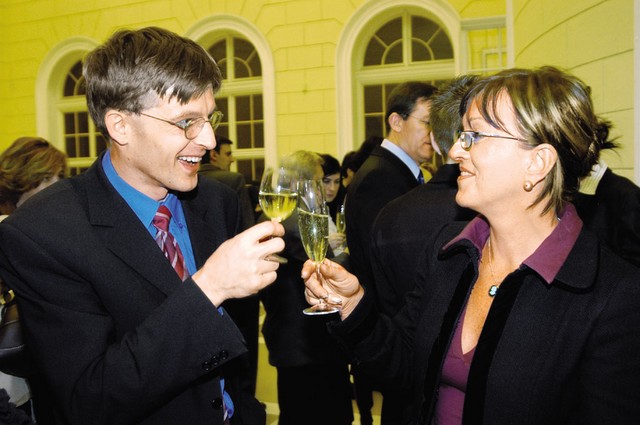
(215, 360)
(206, 365)
(224, 354)
(217, 403)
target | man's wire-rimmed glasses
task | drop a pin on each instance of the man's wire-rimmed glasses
(426, 123)
(193, 127)
(469, 138)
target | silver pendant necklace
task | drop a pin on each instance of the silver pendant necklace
(493, 290)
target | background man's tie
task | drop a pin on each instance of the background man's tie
(167, 242)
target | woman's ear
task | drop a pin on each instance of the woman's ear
(541, 161)
(117, 126)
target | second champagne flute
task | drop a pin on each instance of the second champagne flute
(278, 197)
(341, 223)
(313, 223)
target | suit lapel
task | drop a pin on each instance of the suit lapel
(404, 171)
(201, 231)
(122, 232)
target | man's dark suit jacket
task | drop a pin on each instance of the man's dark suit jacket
(402, 229)
(119, 338)
(245, 311)
(236, 182)
(382, 178)
(613, 213)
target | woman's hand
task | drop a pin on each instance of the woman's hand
(335, 285)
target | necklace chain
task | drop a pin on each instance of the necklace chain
(493, 290)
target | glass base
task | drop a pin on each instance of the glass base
(319, 309)
(276, 258)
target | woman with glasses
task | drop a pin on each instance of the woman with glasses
(519, 316)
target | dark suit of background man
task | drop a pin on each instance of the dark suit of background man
(392, 169)
(402, 227)
(216, 164)
(119, 336)
(609, 205)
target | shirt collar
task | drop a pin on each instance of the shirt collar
(402, 155)
(548, 258)
(142, 205)
(589, 184)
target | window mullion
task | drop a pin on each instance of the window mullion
(407, 58)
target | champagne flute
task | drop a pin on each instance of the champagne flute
(313, 223)
(278, 197)
(341, 224)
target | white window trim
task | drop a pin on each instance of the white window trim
(50, 82)
(214, 27)
(360, 28)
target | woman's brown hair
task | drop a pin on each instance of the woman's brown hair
(24, 166)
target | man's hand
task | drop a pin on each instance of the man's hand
(240, 266)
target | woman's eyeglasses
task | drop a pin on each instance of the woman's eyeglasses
(469, 138)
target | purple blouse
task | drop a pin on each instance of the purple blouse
(453, 384)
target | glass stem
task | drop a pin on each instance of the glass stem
(321, 300)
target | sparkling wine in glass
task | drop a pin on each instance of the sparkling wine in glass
(278, 197)
(313, 224)
(341, 224)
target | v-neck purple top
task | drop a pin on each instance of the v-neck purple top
(546, 260)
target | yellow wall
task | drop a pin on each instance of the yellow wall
(594, 40)
(590, 37)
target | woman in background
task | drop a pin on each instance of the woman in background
(335, 199)
(28, 166)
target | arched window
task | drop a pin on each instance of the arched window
(410, 46)
(390, 41)
(82, 143)
(241, 101)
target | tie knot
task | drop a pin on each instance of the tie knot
(162, 218)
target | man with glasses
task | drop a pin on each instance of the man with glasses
(404, 225)
(121, 271)
(392, 169)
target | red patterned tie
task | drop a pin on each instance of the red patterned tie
(167, 242)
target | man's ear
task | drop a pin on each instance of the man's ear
(541, 161)
(395, 121)
(117, 126)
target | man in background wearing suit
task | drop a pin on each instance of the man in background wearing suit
(404, 225)
(120, 271)
(609, 206)
(392, 169)
(216, 164)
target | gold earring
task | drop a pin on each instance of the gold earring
(528, 186)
